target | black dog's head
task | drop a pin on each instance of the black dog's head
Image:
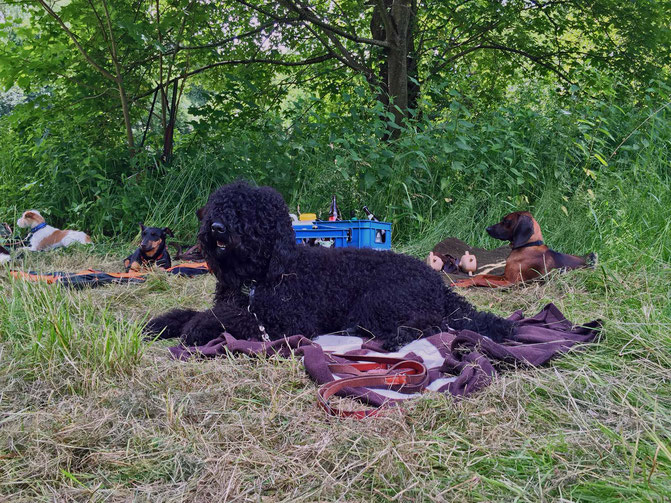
(518, 228)
(153, 239)
(245, 233)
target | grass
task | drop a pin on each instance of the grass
(91, 412)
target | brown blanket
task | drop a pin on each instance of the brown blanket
(458, 363)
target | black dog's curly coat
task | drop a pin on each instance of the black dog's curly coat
(265, 279)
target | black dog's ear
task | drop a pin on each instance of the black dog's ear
(200, 213)
(284, 239)
(523, 230)
(141, 224)
(168, 231)
(283, 250)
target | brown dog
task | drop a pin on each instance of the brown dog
(529, 257)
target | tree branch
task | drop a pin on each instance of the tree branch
(341, 53)
(119, 81)
(178, 48)
(62, 75)
(386, 20)
(484, 30)
(536, 59)
(305, 13)
(262, 11)
(309, 61)
(100, 22)
(79, 47)
(151, 112)
(232, 38)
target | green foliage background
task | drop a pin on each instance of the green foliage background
(599, 164)
(490, 133)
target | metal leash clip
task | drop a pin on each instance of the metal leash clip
(264, 335)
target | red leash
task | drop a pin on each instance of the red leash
(404, 376)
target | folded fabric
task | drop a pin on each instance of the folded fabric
(458, 363)
(93, 277)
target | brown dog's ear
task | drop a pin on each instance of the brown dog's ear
(200, 213)
(523, 230)
(168, 231)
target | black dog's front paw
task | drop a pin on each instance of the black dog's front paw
(169, 325)
(201, 329)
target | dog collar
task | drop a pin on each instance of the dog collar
(533, 243)
(38, 227)
(155, 258)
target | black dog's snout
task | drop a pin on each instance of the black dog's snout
(490, 228)
(217, 227)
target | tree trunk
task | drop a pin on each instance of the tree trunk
(398, 93)
(126, 117)
(169, 132)
(379, 33)
(118, 78)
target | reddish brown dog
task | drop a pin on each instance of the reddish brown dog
(529, 257)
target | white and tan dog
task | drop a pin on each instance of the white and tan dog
(45, 237)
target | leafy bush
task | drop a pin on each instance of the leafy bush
(557, 160)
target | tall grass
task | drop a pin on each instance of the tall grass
(458, 166)
(86, 416)
(58, 332)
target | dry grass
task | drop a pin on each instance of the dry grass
(121, 421)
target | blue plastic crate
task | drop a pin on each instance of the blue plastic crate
(346, 233)
(312, 233)
(370, 234)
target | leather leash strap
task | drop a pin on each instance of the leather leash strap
(404, 376)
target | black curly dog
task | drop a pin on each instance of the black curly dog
(270, 287)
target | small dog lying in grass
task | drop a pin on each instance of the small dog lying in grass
(152, 250)
(45, 237)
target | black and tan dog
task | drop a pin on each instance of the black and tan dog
(152, 250)
(529, 258)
